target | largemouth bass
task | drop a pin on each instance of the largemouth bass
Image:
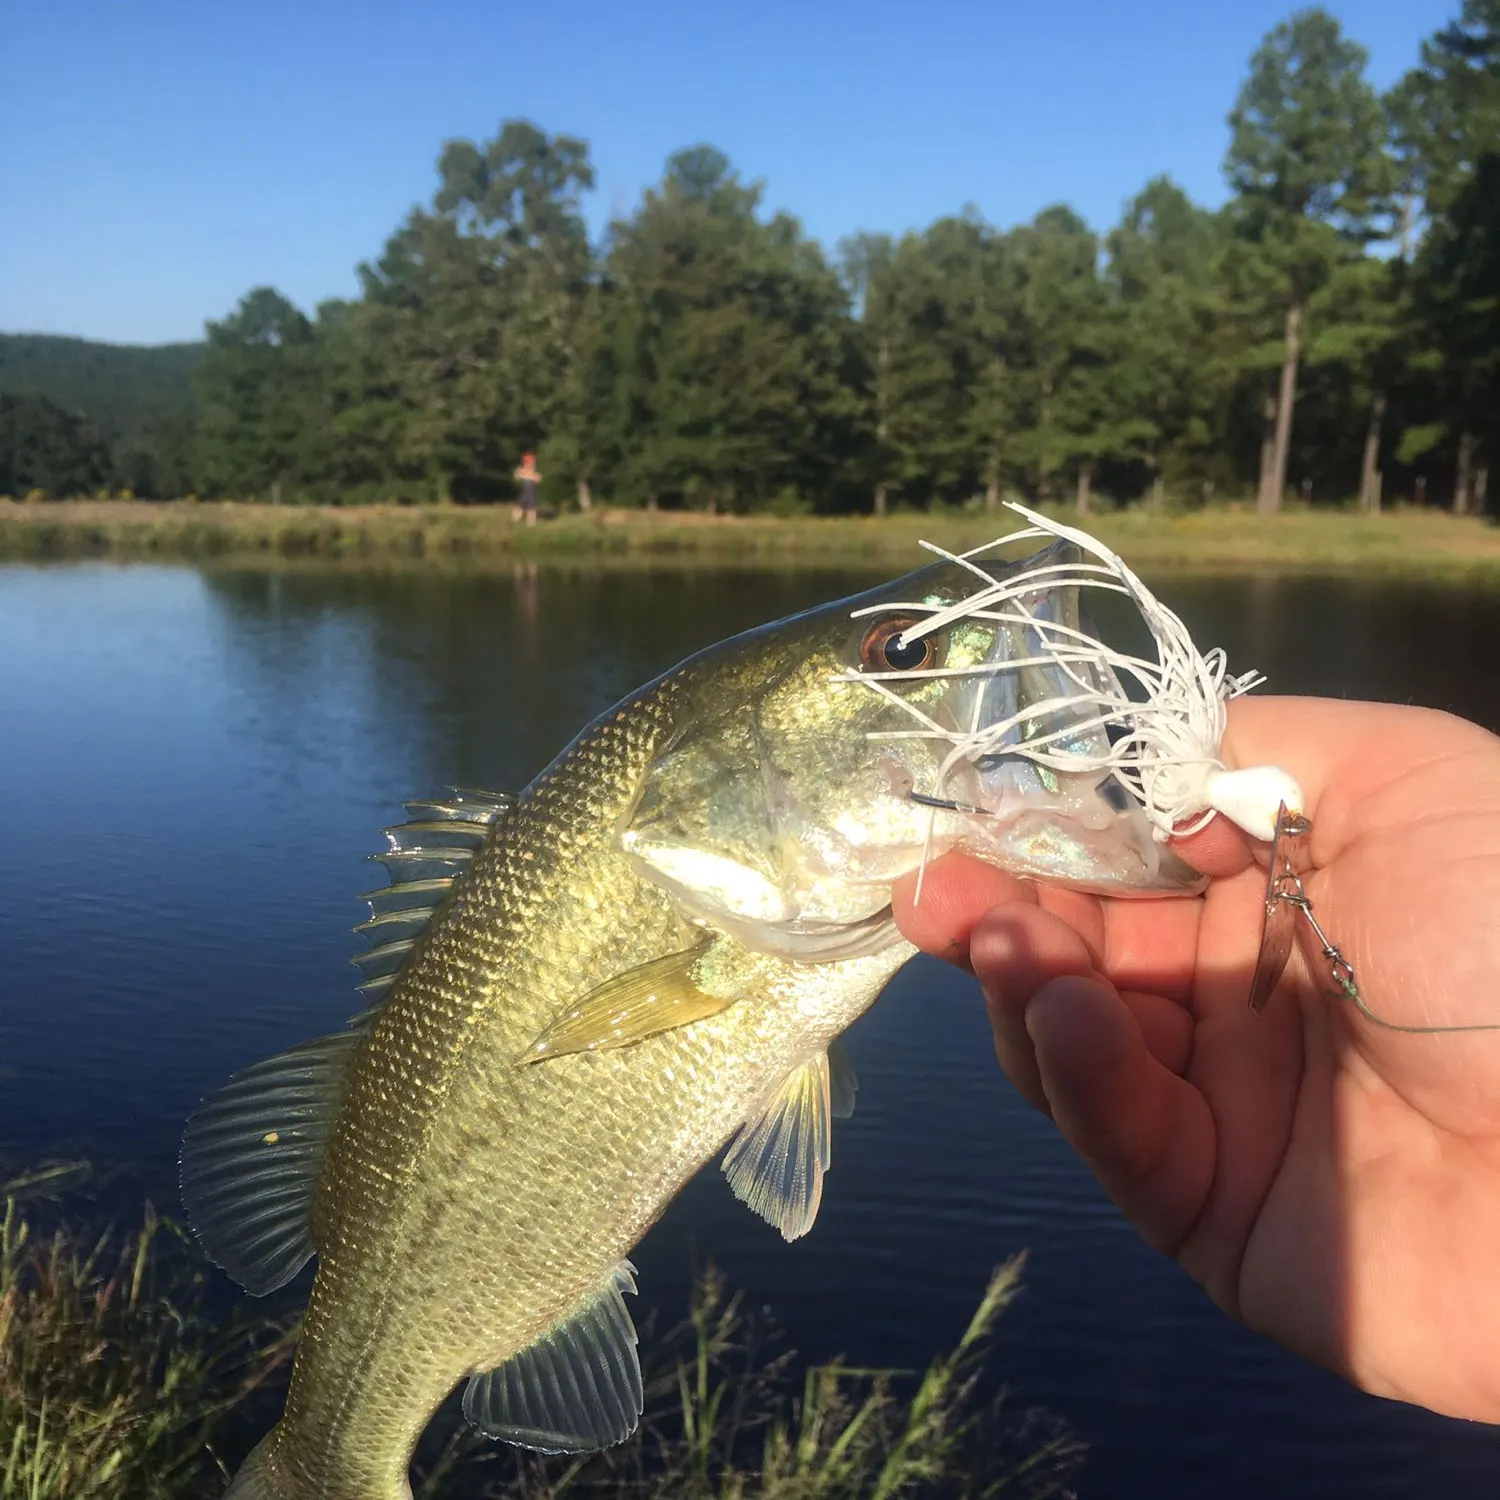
(583, 993)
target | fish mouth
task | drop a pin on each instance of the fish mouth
(1110, 790)
(808, 940)
(1098, 845)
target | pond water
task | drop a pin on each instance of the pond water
(194, 765)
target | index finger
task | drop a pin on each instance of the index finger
(955, 893)
(1139, 945)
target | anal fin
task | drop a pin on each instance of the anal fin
(775, 1165)
(576, 1389)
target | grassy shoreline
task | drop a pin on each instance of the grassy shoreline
(1225, 538)
(120, 1381)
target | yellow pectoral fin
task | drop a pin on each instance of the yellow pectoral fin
(653, 997)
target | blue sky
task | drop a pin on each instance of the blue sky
(158, 158)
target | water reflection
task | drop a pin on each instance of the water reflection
(490, 673)
(195, 765)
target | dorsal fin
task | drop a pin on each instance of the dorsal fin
(251, 1157)
(427, 854)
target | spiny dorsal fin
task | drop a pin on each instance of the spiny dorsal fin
(777, 1161)
(427, 854)
(253, 1152)
(576, 1389)
(251, 1157)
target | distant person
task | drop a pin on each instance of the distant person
(528, 477)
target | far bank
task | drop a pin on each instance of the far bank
(1411, 543)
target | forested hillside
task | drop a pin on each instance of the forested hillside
(1333, 331)
(138, 400)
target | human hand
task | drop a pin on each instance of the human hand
(1333, 1184)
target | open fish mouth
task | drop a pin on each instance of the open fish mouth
(1051, 692)
(1094, 840)
(1059, 755)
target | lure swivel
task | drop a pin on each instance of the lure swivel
(1286, 901)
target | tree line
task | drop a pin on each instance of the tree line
(137, 430)
(1333, 331)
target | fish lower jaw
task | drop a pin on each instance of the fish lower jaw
(812, 941)
(1116, 856)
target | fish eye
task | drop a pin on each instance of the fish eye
(883, 650)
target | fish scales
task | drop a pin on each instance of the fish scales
(508, 1226)
(471, 1173)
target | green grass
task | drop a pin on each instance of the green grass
(1223, 538)
(117, 1383)
(726, 1419)
(113, 1382)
